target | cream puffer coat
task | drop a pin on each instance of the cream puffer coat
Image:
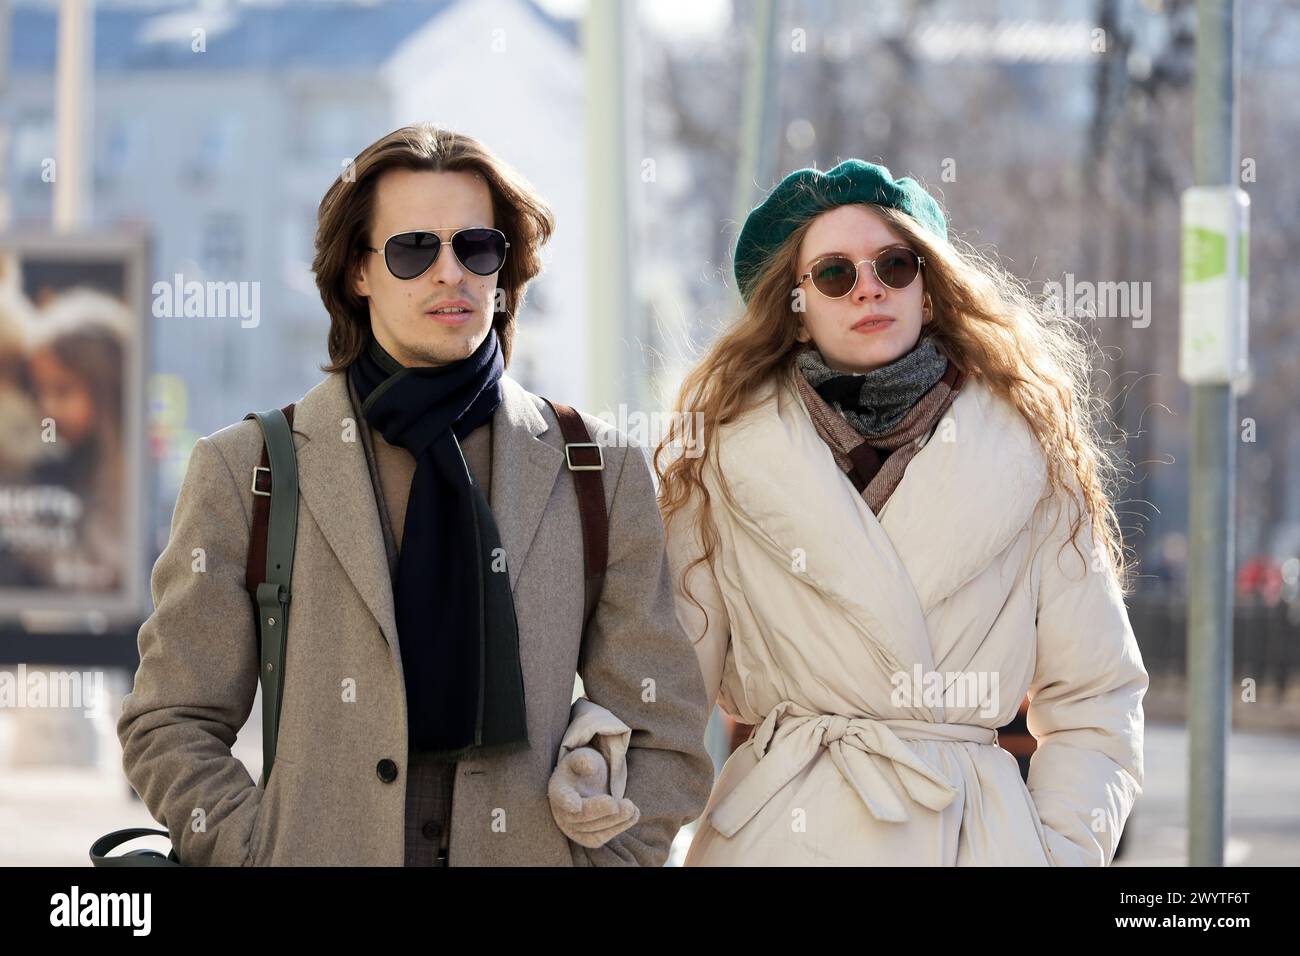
(878, 655)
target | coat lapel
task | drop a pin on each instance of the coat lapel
(335, 484)
(962, 500)
(802, 506)
(966, 495)
(524, 471)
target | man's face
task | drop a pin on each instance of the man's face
(402, 310)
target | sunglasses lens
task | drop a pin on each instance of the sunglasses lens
(411, 253)
(897, 268)
(834, 277)
(481, 251)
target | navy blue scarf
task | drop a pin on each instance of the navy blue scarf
(455, 615)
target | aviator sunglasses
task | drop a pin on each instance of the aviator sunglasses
(835, 276)
(408, 255)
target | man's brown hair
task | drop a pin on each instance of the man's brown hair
(345, 213)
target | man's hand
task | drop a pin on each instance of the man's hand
(590, 777)
(581, 802)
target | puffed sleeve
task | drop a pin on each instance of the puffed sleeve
(1085, 705)
(195, 686)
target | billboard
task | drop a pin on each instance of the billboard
(72, 476)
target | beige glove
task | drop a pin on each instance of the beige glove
(586, 788)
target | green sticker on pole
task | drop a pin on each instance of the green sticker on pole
(1205, 254)
(1213, 310)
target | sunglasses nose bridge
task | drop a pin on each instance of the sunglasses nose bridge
(446, 268)
(868, 281)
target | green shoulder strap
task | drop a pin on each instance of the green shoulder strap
(267, 575)
(270, 562)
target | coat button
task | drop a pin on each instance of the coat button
(387, 770)
(432, 829)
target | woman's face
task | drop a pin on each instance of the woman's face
(842, 329)
(62, 396)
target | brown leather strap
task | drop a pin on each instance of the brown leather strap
(255, 566)
(591, 498)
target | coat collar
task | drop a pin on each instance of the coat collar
(977, 482)
(963, 498)
(335, 484)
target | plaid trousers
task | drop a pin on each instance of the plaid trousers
(428, 809)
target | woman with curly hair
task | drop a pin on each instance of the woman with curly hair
(898, 526)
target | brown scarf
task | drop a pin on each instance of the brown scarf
(857, 457)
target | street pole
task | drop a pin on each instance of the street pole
(1212, 357)
(6, 17)
(758, 108)
(612, 320)
(73, 150)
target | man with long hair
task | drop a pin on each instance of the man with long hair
(438, 607)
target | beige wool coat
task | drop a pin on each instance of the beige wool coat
(878, 655)
(344, 710)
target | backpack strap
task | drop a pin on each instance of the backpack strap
(269, 568)
(586, 460)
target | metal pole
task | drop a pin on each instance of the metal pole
(6, 15)
(1212, 480)
(612, 318)
(74, 150)
(758, 108)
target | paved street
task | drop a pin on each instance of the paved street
(1263, 800)
(51, 815)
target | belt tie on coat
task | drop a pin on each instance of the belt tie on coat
(791, 737)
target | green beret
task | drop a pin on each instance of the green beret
(806, 192)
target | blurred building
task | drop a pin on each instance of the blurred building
(219, 127)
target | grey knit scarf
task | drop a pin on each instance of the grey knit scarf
(876, 401)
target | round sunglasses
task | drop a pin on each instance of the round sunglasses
(409, 255)
(836, 276)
